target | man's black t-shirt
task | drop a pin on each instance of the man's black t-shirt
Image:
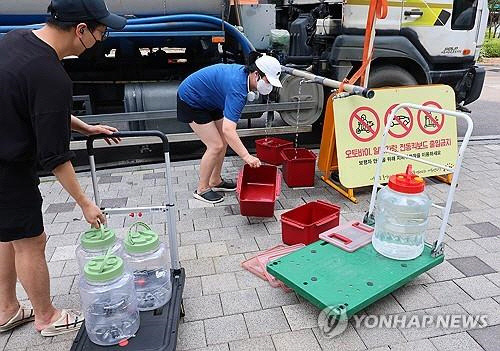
(35, 110)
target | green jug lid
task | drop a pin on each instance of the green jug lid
(98, 238)
(141, 239)
(103, 268)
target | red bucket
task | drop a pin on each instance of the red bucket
(299, 166)
(258, 189)
(268, 149)
(305, 223)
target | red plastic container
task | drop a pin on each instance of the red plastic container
(305, 223)
(258, 189)
(268, 149)
(299, 166)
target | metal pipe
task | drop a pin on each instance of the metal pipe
(353, 89)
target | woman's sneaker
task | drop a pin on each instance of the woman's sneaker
(225, 185)
(208, 196)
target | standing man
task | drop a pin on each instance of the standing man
(36, 123)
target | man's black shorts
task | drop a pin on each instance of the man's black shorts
(20, 213)
(188, 114)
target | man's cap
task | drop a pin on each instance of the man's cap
(271, 67)
(86, 10)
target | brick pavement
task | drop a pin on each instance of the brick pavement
(228, 308)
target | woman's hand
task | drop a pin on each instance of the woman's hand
(253, 161)
(103, 129)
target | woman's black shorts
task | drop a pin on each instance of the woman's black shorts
(20, 213)
(188, 114)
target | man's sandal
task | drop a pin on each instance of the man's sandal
(70, 320)
(23, 316)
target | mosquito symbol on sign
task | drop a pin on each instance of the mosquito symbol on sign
(400, 119)
(361, 127)
(429, 122)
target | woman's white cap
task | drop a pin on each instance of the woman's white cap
(271, 67)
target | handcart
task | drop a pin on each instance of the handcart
(159, 328)
(345, 282)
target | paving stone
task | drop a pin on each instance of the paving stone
(484, 307)
(199, 267)
(349, 340)
(202, 307)
(272, 297)
(63, 240)
(240, 301)
(70, 268)
(207, 223)
(219, 234)
(54, 229)
(63, 253)
(191, 335)
(456, 207)
(414, 298)
(487, 337)
(225, 329)
(248, 280)
(445, 271)
(211, 249)
(419, 345)
(185, 225)
(109, 179)
(218, 283)
(266, 322)
(478, 287)
(112, 203)
(241, 246)
(471, 266)
(301, 340)
(484, 229)
(194, 203)
(220, 211)
(301, 316)
(273, 227)
(187, 252)
(492, 259)
(260, 344)
(386, 305)
(466, 248)
(196, 237)
(230, 263)
(491, 244)
(249, 231)
(157, 175)
(219, 347)
(494, 278)
(255, 220)
(61, 207)
(423, 278)
(461, 233)
(234, 220)
(456, 342)
(192, 287)
(26, 336)
(447, 292)
(375, 337)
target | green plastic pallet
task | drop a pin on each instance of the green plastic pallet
(327, 276)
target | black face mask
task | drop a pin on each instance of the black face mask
(104, 36)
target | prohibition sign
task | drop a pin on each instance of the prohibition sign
(364, 120)
(405, 122)
(430, 125)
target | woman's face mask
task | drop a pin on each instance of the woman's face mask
(263, 87)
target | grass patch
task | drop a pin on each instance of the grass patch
(491, 47)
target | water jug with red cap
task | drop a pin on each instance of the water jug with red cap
(401, 217)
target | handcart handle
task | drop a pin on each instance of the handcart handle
(131, 134)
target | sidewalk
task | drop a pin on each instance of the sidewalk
(228, 308)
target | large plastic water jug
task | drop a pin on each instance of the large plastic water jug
(147, 258)
(401, 217)
(109, 301)
(96, 242)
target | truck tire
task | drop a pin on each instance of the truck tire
(390, 76)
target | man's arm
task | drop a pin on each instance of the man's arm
(65, 173)
(234, 141)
